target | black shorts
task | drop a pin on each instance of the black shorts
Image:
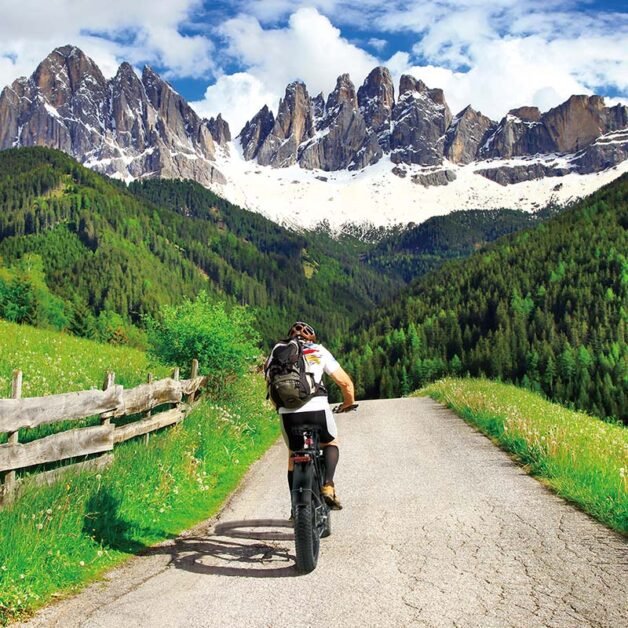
(317, 417)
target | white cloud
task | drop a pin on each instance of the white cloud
(309, 48)
(141, 31)
(378, 44)
(500, 54)
(493, 54)
(238, 97)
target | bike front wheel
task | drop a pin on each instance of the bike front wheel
(306, 538)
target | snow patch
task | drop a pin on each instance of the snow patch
(298, 197)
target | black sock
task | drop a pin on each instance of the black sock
(331, 454)
(290, 479)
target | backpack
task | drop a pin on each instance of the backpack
(289, 384)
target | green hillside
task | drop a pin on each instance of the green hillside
(53, 363)
(545, 308)
(419, 249)
(83, 253)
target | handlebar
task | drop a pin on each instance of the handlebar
(339, 410)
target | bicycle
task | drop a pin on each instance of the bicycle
(312, 515)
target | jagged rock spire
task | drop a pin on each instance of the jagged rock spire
(125, 127)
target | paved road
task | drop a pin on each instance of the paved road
(440, 528)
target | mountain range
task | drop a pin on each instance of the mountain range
(354, 156)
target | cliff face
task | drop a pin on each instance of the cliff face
(131, 126)
(354, 130)
(126, 127)
(466, 134)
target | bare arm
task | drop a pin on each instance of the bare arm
(346, 386)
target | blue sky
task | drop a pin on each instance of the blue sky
(234, 57)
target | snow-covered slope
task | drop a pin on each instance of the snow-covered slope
(303, 198)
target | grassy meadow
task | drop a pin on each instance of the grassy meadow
(53, 362)
(581, 458)
(55, 539)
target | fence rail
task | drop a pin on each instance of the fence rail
(111, 403)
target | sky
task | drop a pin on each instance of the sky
(234, 57)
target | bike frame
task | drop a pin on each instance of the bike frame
(308, 478)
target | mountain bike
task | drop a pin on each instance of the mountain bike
(312, 515)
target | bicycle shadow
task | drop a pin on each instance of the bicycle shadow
(226, 552)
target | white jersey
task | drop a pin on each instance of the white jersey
(318, 360)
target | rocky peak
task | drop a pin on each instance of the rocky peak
(180, 126)
(124, 127)
(408, 84)
(128, 83)
(577, 122)
(293, 125)
(255, 131)
(519, 132)
(526, 114)
(294, 117)
(420, 119)
(128, 107)
(376, 99)
(343, 139)
(126, 74)
(219, 129)
(317, 105)
(466, 134)
(344, 93)
(155, 87)
(64, 72)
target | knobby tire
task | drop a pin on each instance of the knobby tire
(306, 539)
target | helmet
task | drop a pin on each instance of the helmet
(302, 330)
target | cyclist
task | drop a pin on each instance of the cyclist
(316, 411)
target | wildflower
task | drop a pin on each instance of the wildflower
(22, 576)
(49, 511)
(100, 553)
(82, 563)
(40, 526)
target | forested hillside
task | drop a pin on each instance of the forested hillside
(83, 253)
(86, 254)
(417, 250)
(545, 308)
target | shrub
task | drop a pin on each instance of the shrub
(222, 339)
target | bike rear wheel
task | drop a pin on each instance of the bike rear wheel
(306, 538)
(327, 527)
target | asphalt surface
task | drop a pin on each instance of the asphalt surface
(439, 528)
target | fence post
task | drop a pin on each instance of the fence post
(193, 374)
(110, 380)
(176, 374)
(149, 380)
(16, 393)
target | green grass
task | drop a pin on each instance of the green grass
(581, 458)
(57, 538)
(54, 362)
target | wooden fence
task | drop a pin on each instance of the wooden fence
(111, 403)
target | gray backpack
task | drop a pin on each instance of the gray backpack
(289, 384)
